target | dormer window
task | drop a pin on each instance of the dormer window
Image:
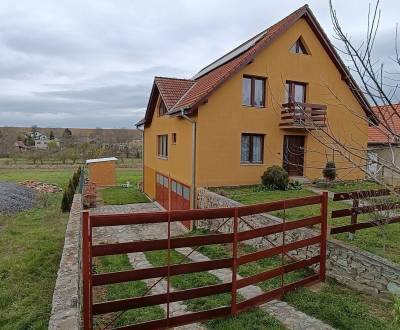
(162, 109)
(299, 47)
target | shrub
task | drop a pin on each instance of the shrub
(275, 177)
(329, 171)
(69, 192)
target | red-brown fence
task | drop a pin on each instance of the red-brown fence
(234, 214)
(372, 205)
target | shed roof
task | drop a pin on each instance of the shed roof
(388, 118)
(99, 160)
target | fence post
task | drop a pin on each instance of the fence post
(354, 218)
(324, 234)
(234, 262)
(87, 270)
(168, 265)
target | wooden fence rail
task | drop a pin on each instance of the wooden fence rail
(90, 251)
(371, 206)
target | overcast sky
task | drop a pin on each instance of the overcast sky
(84, 63)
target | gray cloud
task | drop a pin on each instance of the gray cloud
(91, 63)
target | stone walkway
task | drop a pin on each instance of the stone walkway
(288, 315)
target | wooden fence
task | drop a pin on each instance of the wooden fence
(234, 214)
(372, 205)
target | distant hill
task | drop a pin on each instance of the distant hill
(108, 135)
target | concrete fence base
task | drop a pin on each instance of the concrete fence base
(349, 265)
(66, 307)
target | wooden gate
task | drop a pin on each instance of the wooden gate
(235, 215)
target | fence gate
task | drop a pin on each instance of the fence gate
(236, 217)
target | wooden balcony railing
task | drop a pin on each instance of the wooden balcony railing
(303, 116)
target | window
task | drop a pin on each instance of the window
(299, 47)
(295, 92)
(173, 138)
(162, 146)
(253, 91)
(162, 109)
(252, 148)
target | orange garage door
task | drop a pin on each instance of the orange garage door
(180, 195)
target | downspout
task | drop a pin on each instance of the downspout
(142, 154)
(194, 135)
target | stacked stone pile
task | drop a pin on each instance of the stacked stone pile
(41, 186)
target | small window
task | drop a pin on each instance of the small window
(252, 148)
(186, 193)
(179, 189)
(173, 186)
(299, 47)
(253, 91)
(173, 138)
(162, 146)
(165, 182)
(295, 92)
(162, 109)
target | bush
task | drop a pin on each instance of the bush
(275, 177)
(329, 171)
(69, 192)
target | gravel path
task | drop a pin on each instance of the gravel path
(16, 198)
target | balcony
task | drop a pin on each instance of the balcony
(305, 116)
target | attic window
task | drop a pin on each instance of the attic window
(162, 109)
(299, 47)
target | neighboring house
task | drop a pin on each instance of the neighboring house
(383, 147)
(39, 136)
(227, 124)
(41, 144)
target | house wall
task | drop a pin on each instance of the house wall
(179, 162)
(222, 119)
(103, 173)
(386, 154)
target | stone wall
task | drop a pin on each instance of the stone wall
(66, 307)
(349, 265)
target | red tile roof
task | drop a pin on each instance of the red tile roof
(389, 118)
(181, 94)
(172, 89)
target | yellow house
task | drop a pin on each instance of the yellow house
(271, 101)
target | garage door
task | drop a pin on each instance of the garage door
(180, 198)
(180, 195)
(162, 188)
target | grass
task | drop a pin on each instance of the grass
(342, 308)
(120, 195)
(334, 304)
(124, 290)
(370, 239)
(30, 250)
(352, 186)
(257, 318)
(59, 176)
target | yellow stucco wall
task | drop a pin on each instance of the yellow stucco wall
(179, 162)
(222, 120)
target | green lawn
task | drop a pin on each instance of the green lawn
(120, 195)
(334, 304)
(351, 186)
(30, 250)
(257, 318)
(121, 291)
(370, 239)
(343, 308)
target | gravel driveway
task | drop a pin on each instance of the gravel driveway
(16, 198)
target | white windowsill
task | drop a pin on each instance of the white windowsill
(254, 106)
(163, 158)
(252, 164)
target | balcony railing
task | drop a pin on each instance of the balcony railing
(303, 116)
